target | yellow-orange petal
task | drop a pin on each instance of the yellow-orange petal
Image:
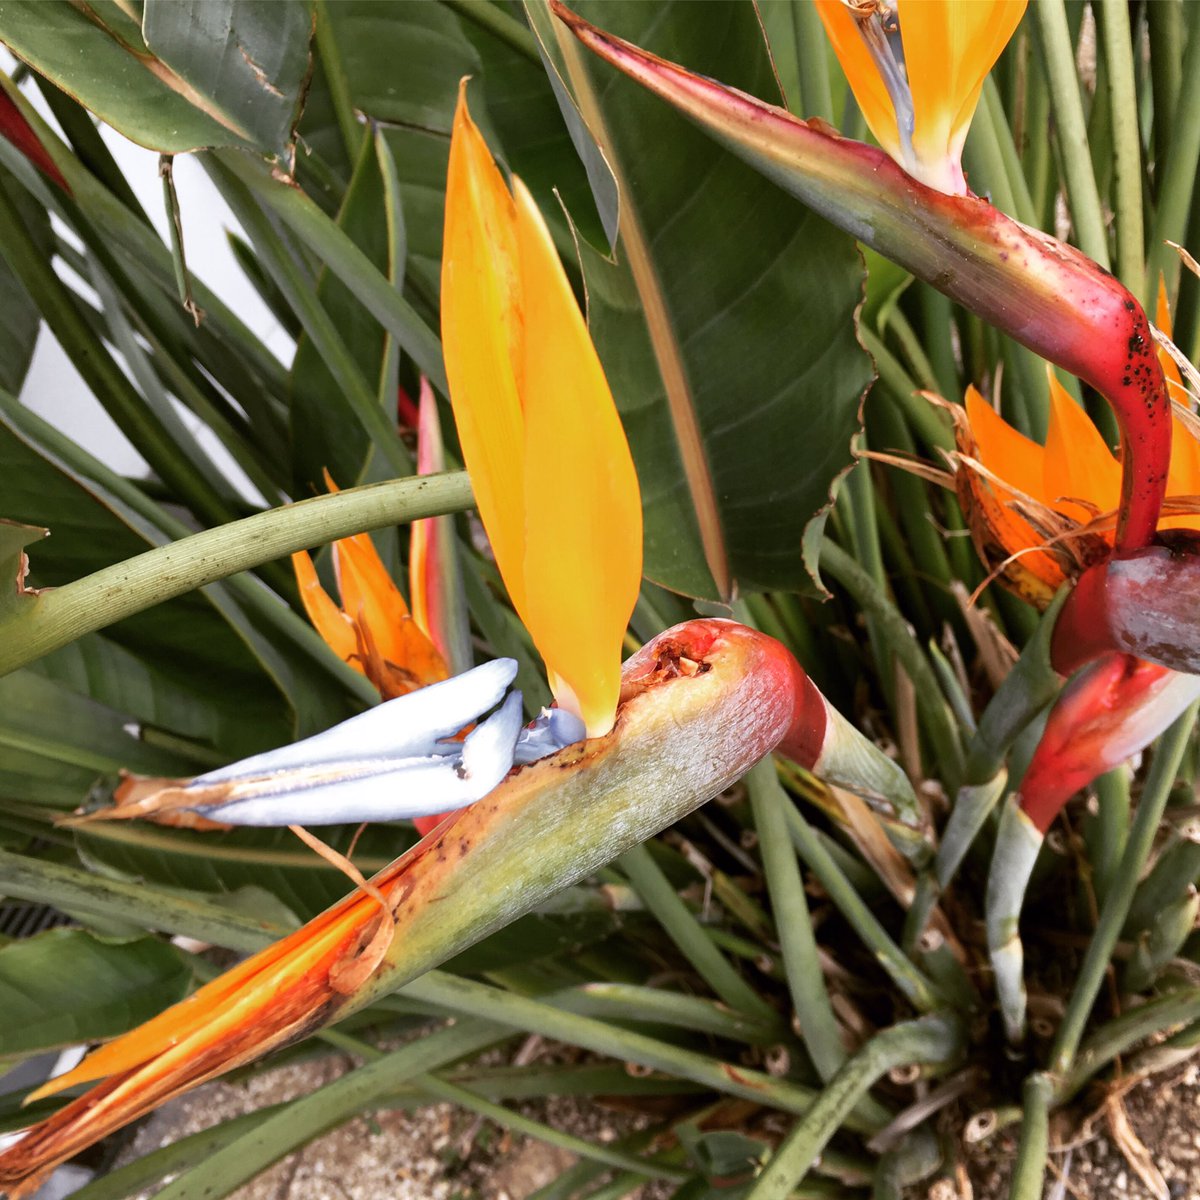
(481, 326)
(374, 604)
(861, 73)
(327, 619)
(1004, 538)
(1005, 451)
(228, 1003)
(1078, 463)
(583, 551)
(949, 48)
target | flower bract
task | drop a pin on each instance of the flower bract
(540, 434)
(916, 68)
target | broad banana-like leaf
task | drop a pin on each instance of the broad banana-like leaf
(1042, 292)
(192, 74)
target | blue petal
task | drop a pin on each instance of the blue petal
(554, 729)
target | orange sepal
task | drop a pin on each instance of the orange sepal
(553, 477)
(1078, 464)
(949, 48)
(1004, 539)
(335, 628)
(861, 73)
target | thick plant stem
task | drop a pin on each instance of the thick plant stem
(1118, 54)
(1177, 171)
(1168, 755)
(686, 932)
(1034, 1147)
(935, 1040)
(935, 712)
(919, 990)
(43, 622)
(810, 998)
(1054, 40)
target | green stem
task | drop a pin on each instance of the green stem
(921, 993)
(1034, 1148)
(1111, 830)
(1167, 39)
(921, 415)
(1058, 57)
(806, 981)
(1164, 1012)
(686, 932)
(1167, 758)
(932, 1040)
(506, 1118)
(934, 711)
(473, 999)
(250, 595)
(51, 619)
(1127, 150)
(301, 1120)
(1177, 169)
(816, 97)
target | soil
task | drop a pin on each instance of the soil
(441, 1153)
(1088, 1163)
(433, 1153)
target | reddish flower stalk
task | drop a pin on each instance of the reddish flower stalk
(1143, 603)
(1112, 709)
(1045, 294)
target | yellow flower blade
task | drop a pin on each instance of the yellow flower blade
(949, 48)
(583, 551)
(480, 328)
(861, 73)
(544, 446)
(1078, 463)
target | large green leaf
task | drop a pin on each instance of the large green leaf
(726, 325)
(79, 738)
(65, 986)
(14, 537)
(96, 54)
(403, 61)
(19, 318)
(246, 60)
